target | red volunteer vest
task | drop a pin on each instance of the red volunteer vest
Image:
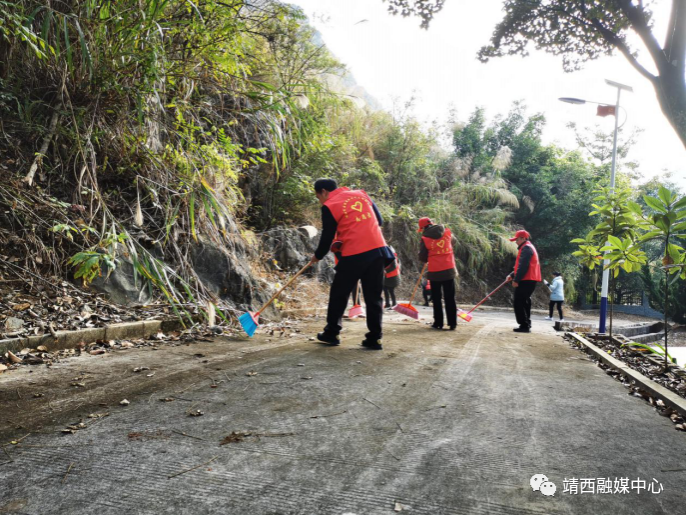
(395, 272)
(441, 255)
(358, 227)
(534, 271)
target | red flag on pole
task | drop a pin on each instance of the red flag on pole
(605, 110)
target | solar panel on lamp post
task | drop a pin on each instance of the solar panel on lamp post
(606, 262)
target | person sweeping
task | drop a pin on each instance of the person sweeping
(436, 249)
(391, 281)
(353, 218)
(525, 277)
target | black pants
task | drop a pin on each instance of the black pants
(389, 293)
(345, 280)
(445, 290)
(522, 302)
(559, 308)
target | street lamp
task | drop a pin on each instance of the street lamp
(606, 262)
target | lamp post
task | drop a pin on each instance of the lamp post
(606, 262)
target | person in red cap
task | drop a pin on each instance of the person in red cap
(436, 249)
(351, 217)
(526, 274)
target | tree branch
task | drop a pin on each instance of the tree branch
(43, 148)
(675, 41)
(617, 42)
(637, 18)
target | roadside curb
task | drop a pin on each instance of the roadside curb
(70, 339)
(670, 399)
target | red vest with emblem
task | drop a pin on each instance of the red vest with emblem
(441, 256)
(396, 270)
(358, 227)
(534, 271)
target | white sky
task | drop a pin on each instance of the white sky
(392, 58)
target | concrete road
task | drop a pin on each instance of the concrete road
(438, 422)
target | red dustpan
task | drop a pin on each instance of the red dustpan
(356, 310)
(408, 309)
(467, 315)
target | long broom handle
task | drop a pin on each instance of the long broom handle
(419, 279)
(284, 287)
(489, 295)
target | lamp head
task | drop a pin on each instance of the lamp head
(571, 100)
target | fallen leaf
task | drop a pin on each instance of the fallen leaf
(140, 369)
(235, 436)
(124, 402)
(37, 395)
(2, 367)
(81, 385)
(42, 348)
(167, 399)
(196, 413)
(251, 374)
(126, 345)
(97, 352)
(398, 507)
(150, 375)
(13, 358)
(21, 307)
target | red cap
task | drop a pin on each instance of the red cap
(521, 234)
(423, 222)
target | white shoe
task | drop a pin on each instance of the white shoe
(562, 320)
(548, 318)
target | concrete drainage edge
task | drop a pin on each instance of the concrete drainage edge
(670, 398)
(70, 339)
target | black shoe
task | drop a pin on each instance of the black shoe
(372, 344)
(438, 327)
(426, 305)
(329, 338)
(387, 306)
(521, 330)
(453, 327)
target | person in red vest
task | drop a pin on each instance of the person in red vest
(526, 274)
(436, 249)
(353, 218)
(391, 280)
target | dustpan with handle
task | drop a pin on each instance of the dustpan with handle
(250, 321)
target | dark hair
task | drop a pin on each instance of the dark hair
(557, 274)
(325, 184)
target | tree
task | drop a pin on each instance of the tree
(666, 223)
(616, 234)
(581, 30)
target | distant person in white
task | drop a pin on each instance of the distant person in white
(557, 295)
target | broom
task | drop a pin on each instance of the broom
(250, 321)
(467, 315)
(356, 310)
(408, 309)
